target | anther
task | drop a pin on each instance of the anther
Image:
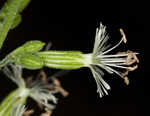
(28, 112)
(132, 68)
(125, 74)
(123, 35)
(59, 88)
(47, 113)
(126, 80)
(131, 58)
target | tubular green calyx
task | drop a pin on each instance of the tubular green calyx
(62, 59)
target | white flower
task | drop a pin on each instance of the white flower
(100, 59)
(37, 90)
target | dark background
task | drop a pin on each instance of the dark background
(71, 25)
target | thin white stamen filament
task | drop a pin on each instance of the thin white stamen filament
(104, 67)
(117, 55)
(112, 47)
(114, 71)
(124, 64)
(114, 65)
(112, 60)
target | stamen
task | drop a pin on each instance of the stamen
(126, 80)
(59, 88)
(133, 68)
(28, 112)
(135, 57)
(122, 39)
(123, 36)
(125, 73)
(112, 61)
(112, 47)
(119, 54)
(114, 65)
(47, 113)
(132, 58)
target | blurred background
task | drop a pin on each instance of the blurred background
(71, 25)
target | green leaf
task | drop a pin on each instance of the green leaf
(10, 16)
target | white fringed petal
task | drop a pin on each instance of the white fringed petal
(36, 90)
(102, 86)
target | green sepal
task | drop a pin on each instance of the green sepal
(25, 54)
(31, 62)
(29, 47)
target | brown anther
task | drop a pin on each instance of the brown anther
(123, 35)
(44, 76)
(59, 88)
(28, 112)
(121, 53)
(62, 91)
(56, 81)
(126, 80)
(28, 80)
(135, 57)
(40, 106)
(125, 74)
(132, 58)
(130, 61)
(47, 113)
(132, 68)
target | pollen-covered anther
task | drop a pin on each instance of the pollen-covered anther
(123, 36)
(131, 58)
(59, 88)
(130, 63)
(47, 113)
(28, 112)
(125, 74)
(126, 80)
(45, 79)
(132, 68)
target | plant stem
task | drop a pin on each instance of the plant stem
(8, 20)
